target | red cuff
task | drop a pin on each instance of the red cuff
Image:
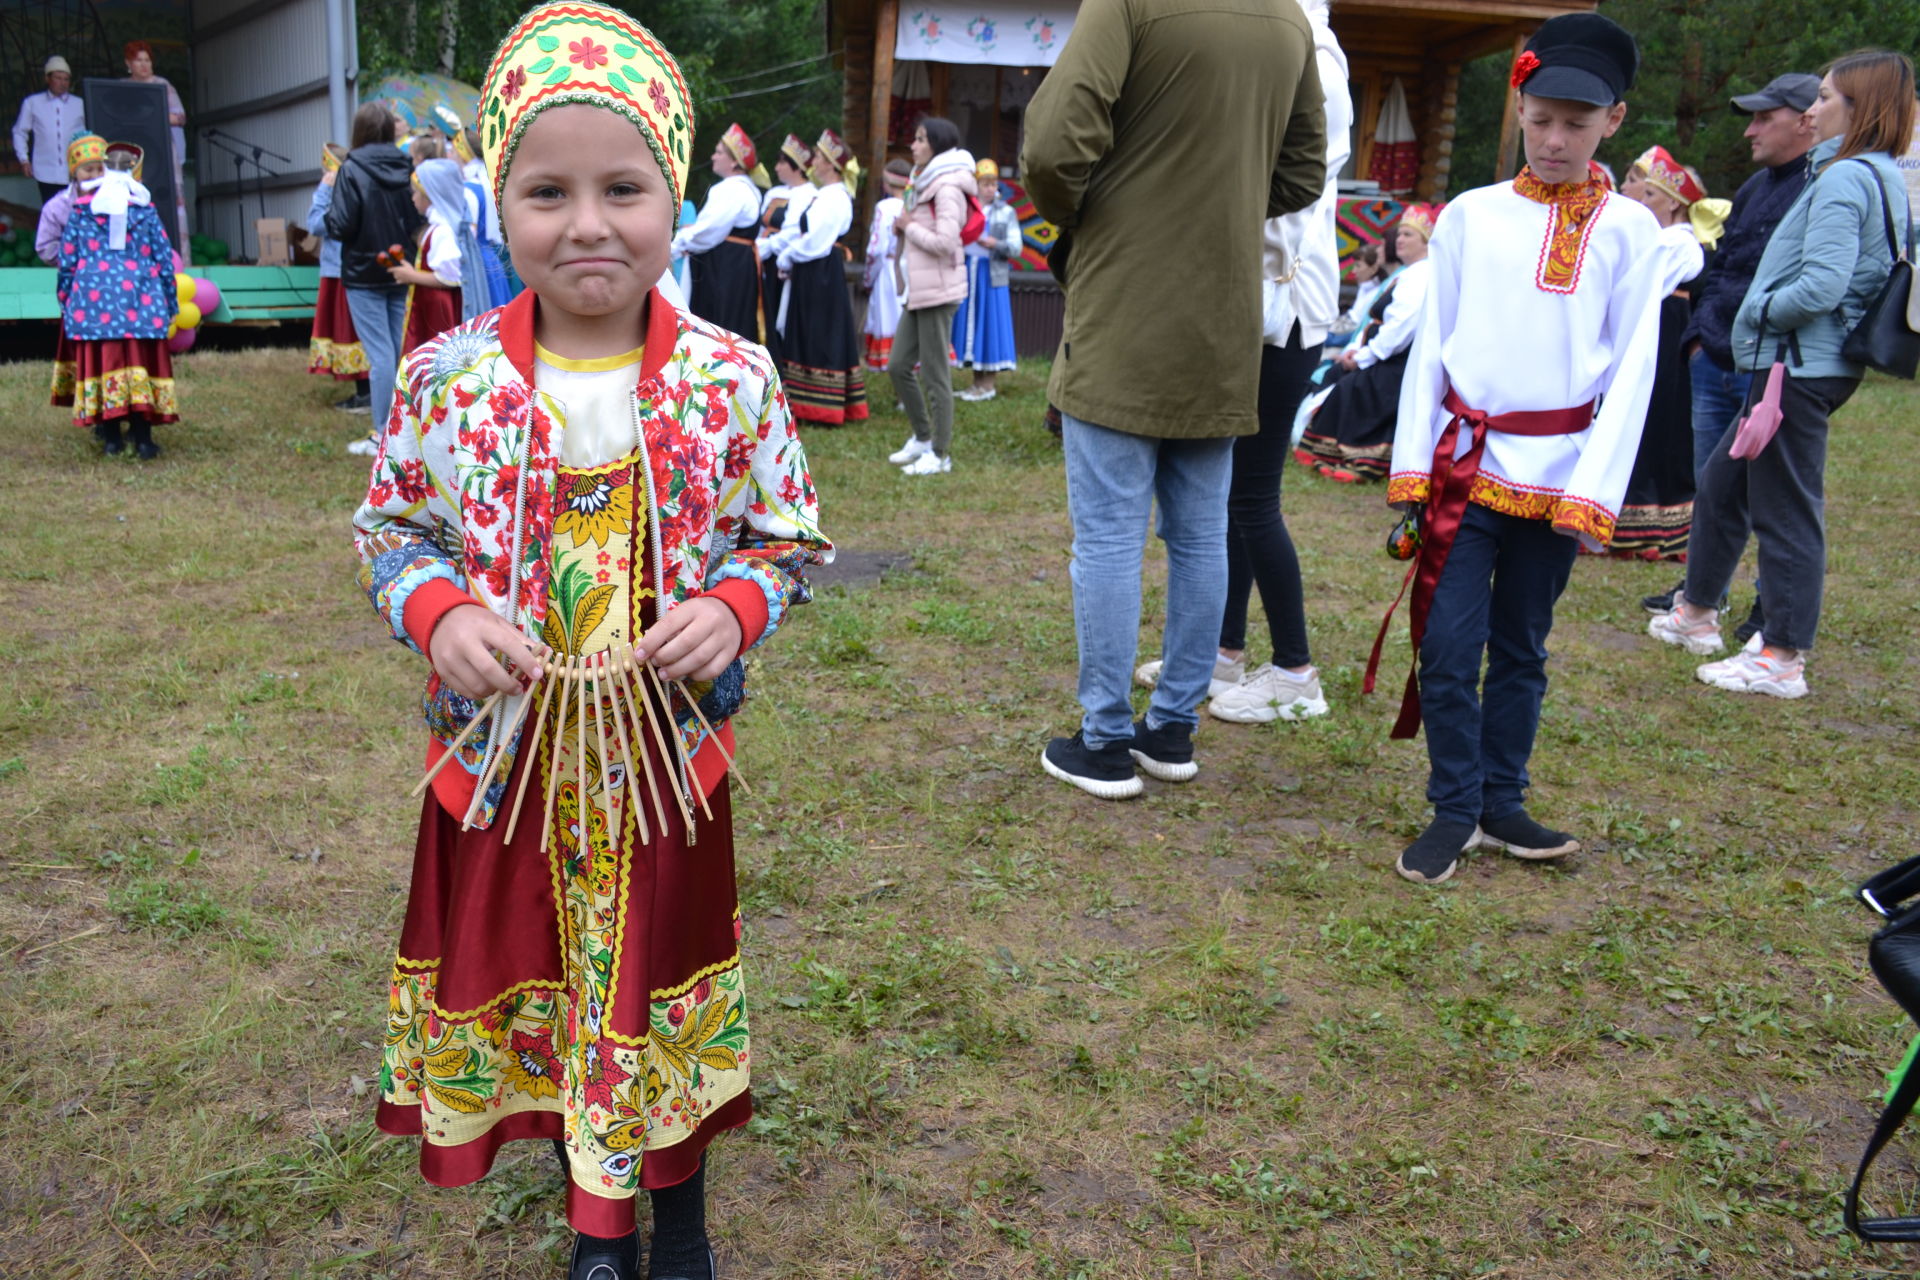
(749, 605)
(431, 601)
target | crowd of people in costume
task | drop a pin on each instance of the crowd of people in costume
(575, 465)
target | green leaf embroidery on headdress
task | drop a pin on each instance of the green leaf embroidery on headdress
(624, 51)
(541, 67)
(560, 76)
(547, 43)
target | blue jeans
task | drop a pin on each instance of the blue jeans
(1718, 399)
(1495, 596)
(1113, 481)
(380, 322)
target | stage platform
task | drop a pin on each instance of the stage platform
(248, 295)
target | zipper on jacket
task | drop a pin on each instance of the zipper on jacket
(659, 590)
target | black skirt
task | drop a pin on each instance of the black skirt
(820, 352)
(724, 287)
(1351, 437)
(1657, 514)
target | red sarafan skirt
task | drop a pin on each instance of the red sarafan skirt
(430, 313)
(109, 379)
(334, 350)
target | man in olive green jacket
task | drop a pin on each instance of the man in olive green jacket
(1165, 136)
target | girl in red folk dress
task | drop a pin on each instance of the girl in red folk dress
(585, 470)
(117, 300)
(433, 279)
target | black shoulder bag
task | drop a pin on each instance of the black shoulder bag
(1883, 340)
(1894, 955)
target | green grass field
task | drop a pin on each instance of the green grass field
(1003, 1029)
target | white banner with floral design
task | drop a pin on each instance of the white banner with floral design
(1004, 35)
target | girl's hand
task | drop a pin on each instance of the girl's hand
(900, 224)
(462, 651)
(988, 242)
(696, 640)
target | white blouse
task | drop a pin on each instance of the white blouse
(1402, 317)
(732, 207)
(598, 395)
(829, 216)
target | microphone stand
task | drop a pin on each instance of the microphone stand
(245, 152)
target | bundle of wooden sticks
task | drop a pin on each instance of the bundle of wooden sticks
(613, 681)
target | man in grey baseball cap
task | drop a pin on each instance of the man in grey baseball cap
(1780, 137)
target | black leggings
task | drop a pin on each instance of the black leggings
(1259, 549)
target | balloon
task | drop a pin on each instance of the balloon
(177, 264)
(206, 296)
(182, 285)
(182, 341)
(189, 317)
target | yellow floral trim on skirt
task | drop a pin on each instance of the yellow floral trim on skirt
(118, 394)
(340, 359)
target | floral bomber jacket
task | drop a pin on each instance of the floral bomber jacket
(462, 499)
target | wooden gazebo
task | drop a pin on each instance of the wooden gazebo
(1422, 43)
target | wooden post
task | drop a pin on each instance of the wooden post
(880, 108)
(993, 138)
(1504, 166)
(937, 73)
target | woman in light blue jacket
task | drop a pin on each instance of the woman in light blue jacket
(1827, 261)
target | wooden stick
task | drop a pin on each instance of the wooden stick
(679, 744)
(580, 744)
(707, 724)
(493, 764)
(530, 745)
(596, 667)
(636, 678)
(630, 793)
(453, 748)
(637, 707)
(565, 672)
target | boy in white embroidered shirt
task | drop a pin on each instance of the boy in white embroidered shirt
(1519, 419)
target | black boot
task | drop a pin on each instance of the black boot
(140, 431)
(680, 1250)
(597, 1258)
(108, 434)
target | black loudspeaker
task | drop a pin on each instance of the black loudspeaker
(126, 111)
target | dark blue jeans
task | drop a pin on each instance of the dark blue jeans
(1495, 598)
(1718, 399)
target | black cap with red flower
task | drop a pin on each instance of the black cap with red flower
(1578, 57)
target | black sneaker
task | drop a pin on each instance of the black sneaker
(597, 1259)
(108, 434)
(1662, 603)
(355, 403)
(1436, 854)
(708, 1274)
(1522, 837)
(1165, 753)
(1751, 627)
(1106, 772)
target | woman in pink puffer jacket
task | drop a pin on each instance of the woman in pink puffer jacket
(936, 280)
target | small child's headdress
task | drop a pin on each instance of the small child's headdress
(591, 54)
(1578, 57)
(739, 145)
(84, 148)
(332, 156)
(128, 157)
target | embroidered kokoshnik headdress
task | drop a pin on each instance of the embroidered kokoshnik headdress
(739, 145)
(1668, 176)
(593, 55)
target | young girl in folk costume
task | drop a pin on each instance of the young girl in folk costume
(117, 301)
(719, 246)
(1657, 511)
(333, 350)
(1349, 436)
(883, 268)
(446, 282)
(780, 215)
(1519, 418)
(983, 326)
(819, 346)
(586, 468)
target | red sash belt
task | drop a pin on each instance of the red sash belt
(1452, 480)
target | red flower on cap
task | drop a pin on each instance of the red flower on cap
(1523, 66)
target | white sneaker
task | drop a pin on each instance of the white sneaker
(1269, 693)
(1227, 673)
(364, 447)
(1757, 672)
(907, 452)
(928, 464)
(1673, 627)
(976, 394)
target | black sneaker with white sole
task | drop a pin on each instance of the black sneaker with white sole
(1435, 856)
(1755, 622)
(1165, 753)
(1662, 603)
(1106, 772)
(1522, 837)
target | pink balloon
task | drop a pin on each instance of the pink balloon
(183, 340)
(178, 265)
(206, 295)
